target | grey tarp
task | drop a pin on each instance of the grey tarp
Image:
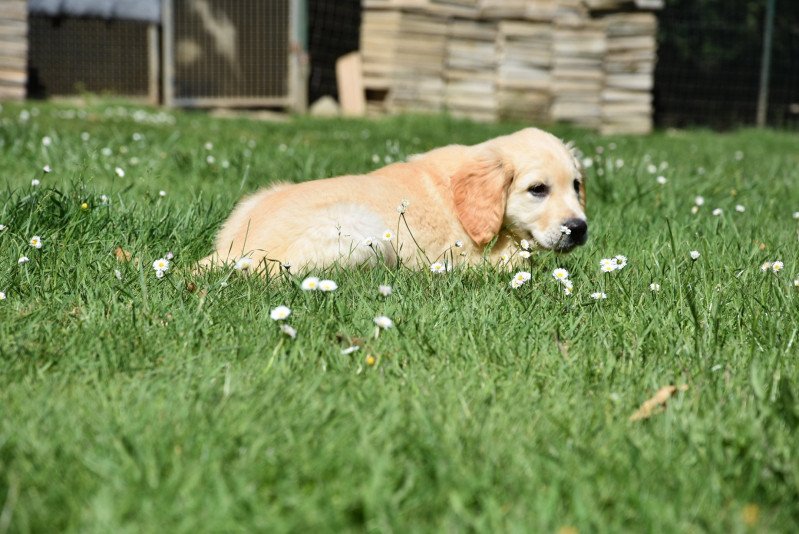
(141, 10)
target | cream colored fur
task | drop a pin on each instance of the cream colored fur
(455, 193)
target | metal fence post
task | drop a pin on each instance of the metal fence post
(765, 64)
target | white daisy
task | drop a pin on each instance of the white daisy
(119, 172)
(327, 285)
(2, 295)
(161, 264)
(159, 274)
(740, 208)
(104, 201)
(350, 350)
(2, 227)
(35, 183)
(662, 180)
(118, 274)
(522, 276)
(515, 283)
(560, 274)
(47, 140)
(208, 145)
(587, 162)
(384, 290)
(387, 235)
(23, 260)
(654, 287)
(694, 209)
(717, 212)
(244, 264)
(169, 256)
(607, 265)
(777, 266)
(599, 295)
(288, 330)
(765, 266)
(280, 313)
(438, 267)
(620, 261)
(651, 168)
(210, 159)
(796, 215)
(524, 244)
(524, 254)
(310, 284)
(106, 151)
(47, 168)
(567, 290)
(695, 255)
(85, 136)
(383, 322)
(567, 283)
(35, 242)
(162, 193)
(699, 200)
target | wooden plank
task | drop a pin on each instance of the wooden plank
(349, 78)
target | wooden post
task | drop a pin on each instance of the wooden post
(349, 78)
(153, 63)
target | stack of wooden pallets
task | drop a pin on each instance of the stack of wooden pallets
(13, 48)
(470, 69)
(587, 62)
(629, 69)
(524, 70)
(577, 65)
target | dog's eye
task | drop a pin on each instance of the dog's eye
(539, 190)
(577, 187)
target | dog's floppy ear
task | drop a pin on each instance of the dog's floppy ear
(480, 189)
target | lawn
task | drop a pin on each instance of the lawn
(130, 403)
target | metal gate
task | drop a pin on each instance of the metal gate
(230, 53)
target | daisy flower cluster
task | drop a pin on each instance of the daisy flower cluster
(562, 276)
(773, 266)
(524, 245)
(279, 314)
(161, 265)
(616, 263)
(313, 283)
(519, 279)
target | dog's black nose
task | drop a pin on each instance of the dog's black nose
(578, 231)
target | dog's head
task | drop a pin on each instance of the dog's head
(529, 182)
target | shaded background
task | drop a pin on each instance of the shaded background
(709, 57)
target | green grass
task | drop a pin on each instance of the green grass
(137, 405)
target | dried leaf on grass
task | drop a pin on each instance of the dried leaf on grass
(122, 255)
(656, 403)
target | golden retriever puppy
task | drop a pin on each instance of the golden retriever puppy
(444, 205)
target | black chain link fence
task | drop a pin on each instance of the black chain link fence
(709, 61)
